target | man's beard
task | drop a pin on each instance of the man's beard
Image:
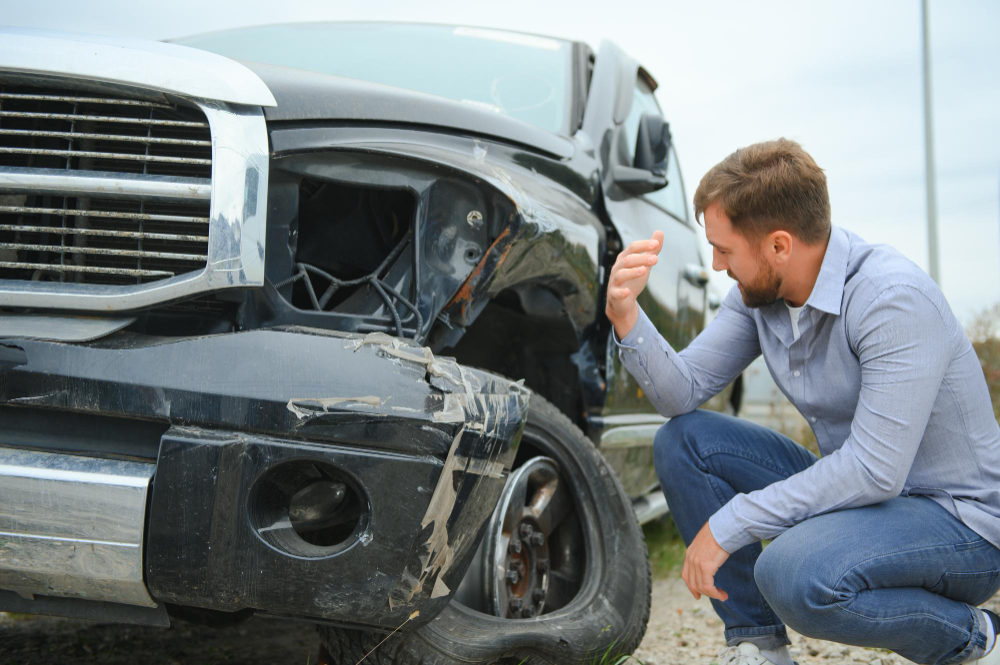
(763, 291)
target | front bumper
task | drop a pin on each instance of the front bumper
(423, 443)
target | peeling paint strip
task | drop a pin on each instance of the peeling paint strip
(303, 407)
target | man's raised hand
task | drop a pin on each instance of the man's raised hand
(628, 278)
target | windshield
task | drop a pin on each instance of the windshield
(522, 76)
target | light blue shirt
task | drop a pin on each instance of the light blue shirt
(882, 371)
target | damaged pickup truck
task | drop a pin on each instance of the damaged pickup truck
(307, 321)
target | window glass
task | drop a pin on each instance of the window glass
(671, 197)
(523, 76)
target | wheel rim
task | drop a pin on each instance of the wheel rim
(511, 576)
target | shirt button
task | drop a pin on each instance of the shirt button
(796, 373)
(646, 382)
(813, 418)
(640, 340)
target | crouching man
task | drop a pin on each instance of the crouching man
(890, 538)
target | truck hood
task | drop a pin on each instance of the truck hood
(309, 96)
(119, 61)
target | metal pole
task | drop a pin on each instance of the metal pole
(932, 233)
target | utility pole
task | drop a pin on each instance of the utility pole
(932, 232)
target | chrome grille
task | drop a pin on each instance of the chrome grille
(100, 236)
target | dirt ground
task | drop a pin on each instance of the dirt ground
(681, 631)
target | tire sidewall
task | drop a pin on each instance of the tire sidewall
(611, 608)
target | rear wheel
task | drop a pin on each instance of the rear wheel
(562, 574)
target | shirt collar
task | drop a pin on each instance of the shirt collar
(828, 291)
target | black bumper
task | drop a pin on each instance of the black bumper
(423, 442)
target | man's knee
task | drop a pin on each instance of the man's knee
(794, 576)
(675, 443)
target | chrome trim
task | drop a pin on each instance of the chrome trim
(88, 100)
(151, 140)
(102, 251)
(76, 212)
(630, 436)
(97, 270)
(650, 506)
(19, 179)
(106, 155)
(145, 64)
(617, 420)
(72, 526)
(236, 227)
(102, 118)
(59, 328)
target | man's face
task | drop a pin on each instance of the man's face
(757, 279)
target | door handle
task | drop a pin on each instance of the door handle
(696, 275)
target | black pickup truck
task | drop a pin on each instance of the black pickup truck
(307, 321)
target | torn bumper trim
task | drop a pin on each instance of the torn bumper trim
(421, 442)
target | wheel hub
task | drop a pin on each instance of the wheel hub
(516, 561)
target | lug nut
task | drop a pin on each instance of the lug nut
(526, 530)
(537, 539)
(514, 547)
(543, 565)
(517, 565)
(528, 612)
(515, 604)
(538, 595)
(512, 576)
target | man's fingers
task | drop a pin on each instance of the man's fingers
(620, 293)
(658, 239)
(686, 576)
(718, 594)
(642, 259)
(707, 586)
(625, 274)
(648, 245)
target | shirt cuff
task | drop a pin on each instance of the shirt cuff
(727, 531)
(640, 334)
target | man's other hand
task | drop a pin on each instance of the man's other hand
(628, 278)
(703, 559)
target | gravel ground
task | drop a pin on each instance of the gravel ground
(685, 630)
(681, 631)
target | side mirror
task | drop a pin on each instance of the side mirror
(652, 145)
(652, 148)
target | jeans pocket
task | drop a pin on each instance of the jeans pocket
(972, 588)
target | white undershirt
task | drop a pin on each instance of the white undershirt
(794, 312)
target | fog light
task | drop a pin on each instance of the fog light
(316, 506)
(307, 509)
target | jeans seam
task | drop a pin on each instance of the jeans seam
(774, 629)
(902, 616)
(717, 451)
(764, 605)
(718, 491)
(833, 594)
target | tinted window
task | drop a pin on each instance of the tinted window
(671, 197)
(523, 76)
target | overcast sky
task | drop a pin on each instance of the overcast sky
(843, 77)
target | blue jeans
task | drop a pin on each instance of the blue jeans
(903, 575)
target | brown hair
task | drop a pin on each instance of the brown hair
(769, 186)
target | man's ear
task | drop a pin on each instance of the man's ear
(779, 246)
